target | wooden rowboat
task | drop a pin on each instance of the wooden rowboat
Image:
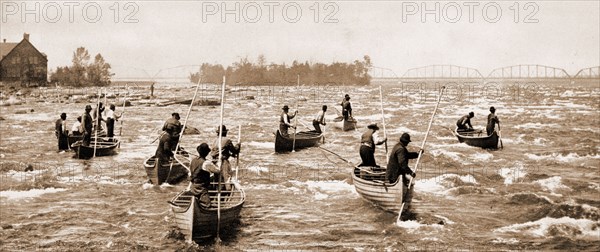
(198, 222)
(304, 139)
(104, 147)
(177, 174)
(478, 139)
(372, 185)
(74, 138)
(345, 125)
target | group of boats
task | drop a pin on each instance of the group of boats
(198, 220)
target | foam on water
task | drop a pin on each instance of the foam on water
(484, 156)
(564, 226)
(257, 169)
(453, 155)
(327, 188)
(261, 145)
(440, 185)
(536, 125)
(569, 158)
(15, 195)
(552, 184)
(512, 174)
(413, 226)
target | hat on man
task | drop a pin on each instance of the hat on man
(492, 109)
(285, 107)
(88, 107)
(405, 138)
(224, 129)
(373, 126)
(471, 114)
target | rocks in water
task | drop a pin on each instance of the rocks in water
(174, 234)
(120, 103)
(2, 118)
(249, 97)
(21, 111)
(29, 168)
(191, 130)
(12, 100)
(7, 226)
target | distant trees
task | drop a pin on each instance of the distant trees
(83, 73)
(245, 72)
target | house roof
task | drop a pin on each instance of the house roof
(5, 48)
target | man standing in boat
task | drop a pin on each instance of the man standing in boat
(284, 121)
(320, 119)
(368, 140)
(163, 152)
(98, 116)
(464, 123)
(491, 122)
(86, 123)
(76, 129)
(228, 150)
(346, 108)
(175, 126)
(110, 121)
(398, 161)
(201, 171)
(61, 132)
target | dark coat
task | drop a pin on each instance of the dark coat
(163, 152)
(398, 162)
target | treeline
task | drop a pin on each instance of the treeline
(246, 72)
(82, 72)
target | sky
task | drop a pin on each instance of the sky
(169, 38)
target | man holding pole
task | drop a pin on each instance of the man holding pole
(398, 161)
(228, 150)
(284, 121)
(163, 152)
(368, 140)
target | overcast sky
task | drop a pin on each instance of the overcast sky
(165, 34)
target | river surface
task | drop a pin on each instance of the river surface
(540, 192)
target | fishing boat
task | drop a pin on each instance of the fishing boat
(74, 138)
(477, 139)
(345, 125)
(197, 221)
(102, 146)
(304, 139)
(372, 185)
(167, 173)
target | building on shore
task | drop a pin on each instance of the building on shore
(21, 63)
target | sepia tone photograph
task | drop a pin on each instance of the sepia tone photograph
(302, 125)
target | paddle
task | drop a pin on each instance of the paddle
(97, 123)
(123, 112)
(296, 119)
(383, 120)
(500, 136)
(182, 130)
(421, 150)
(218, 239)
(237, 158)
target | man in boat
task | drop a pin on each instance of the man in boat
(98, 116)
(86, 122)
(284, 121)
(368, 140)
(163, 152)
(61, 132)
(228, 149)
(76, 129)
(110, 121)
(491, 122)
(346, 108)
(398, 161)
(320, 119)
(201, 171)
(175, 125)
(464, 123)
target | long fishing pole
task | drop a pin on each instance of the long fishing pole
(218, 239)
(421, 150)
